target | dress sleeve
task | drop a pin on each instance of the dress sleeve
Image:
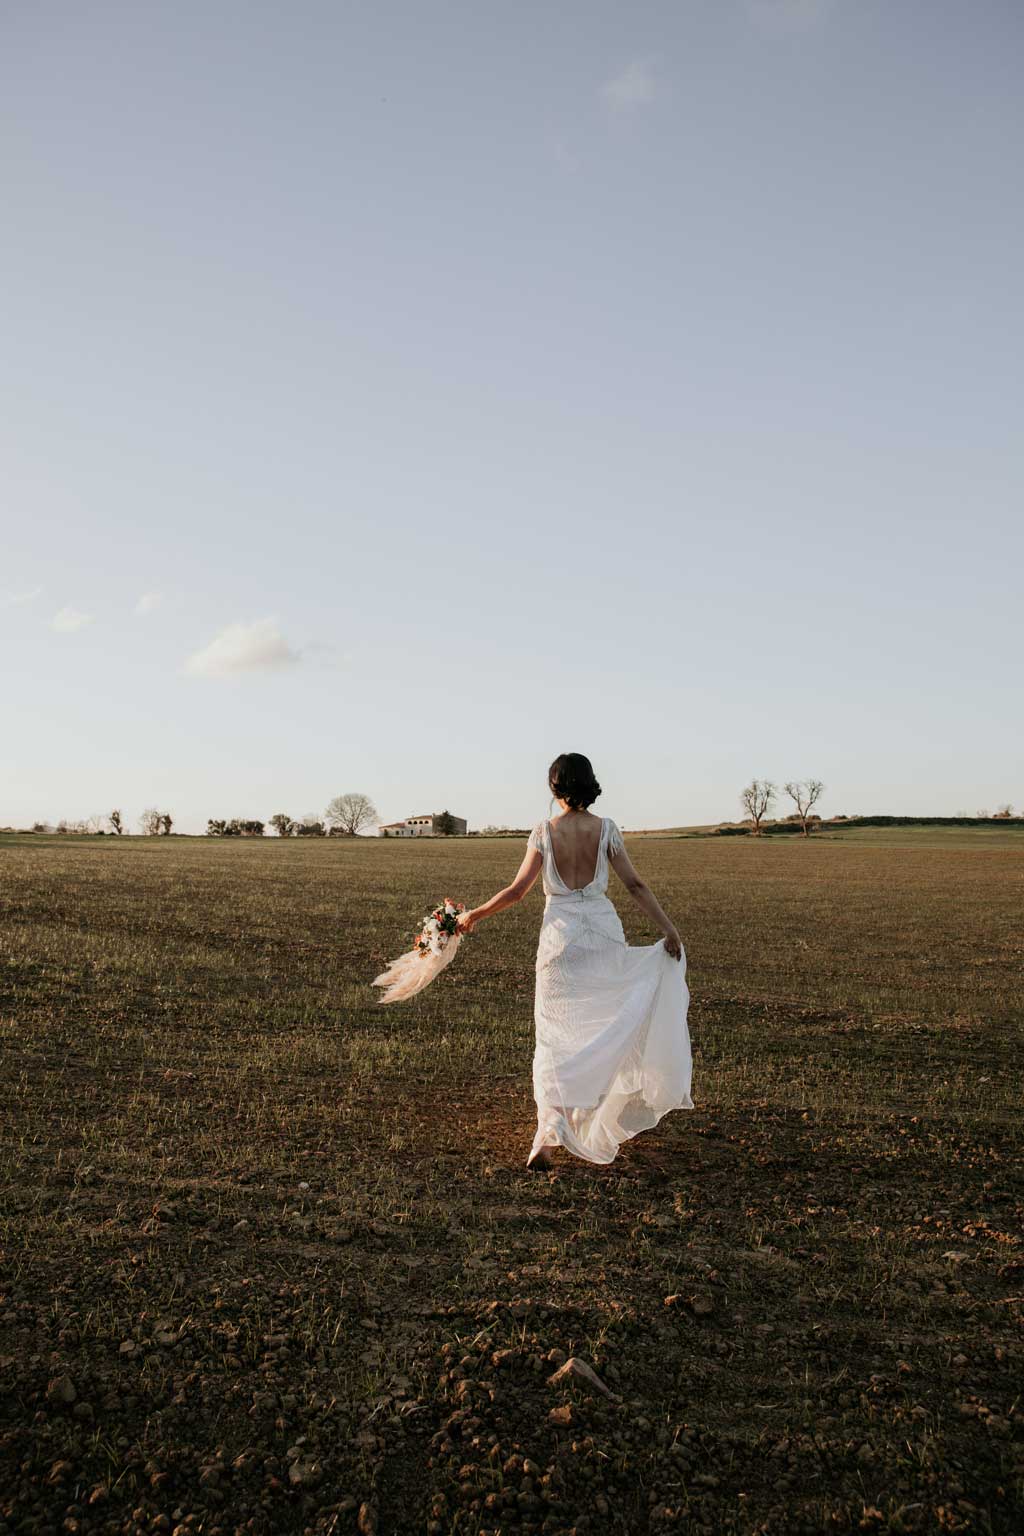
(615, 843)
(537, 838)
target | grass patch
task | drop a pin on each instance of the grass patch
(271, 1261)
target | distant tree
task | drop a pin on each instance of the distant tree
(310, 826)
(116, 822)
(1005, 812)
(282, 824)
(150, 821)
(446, 824)
(166, 823)
(41, 826)
(351, 813)
(756, 800)
(237, 827)
(804, 794)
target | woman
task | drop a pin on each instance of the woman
(612, 1051)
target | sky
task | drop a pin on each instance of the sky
(396, 395)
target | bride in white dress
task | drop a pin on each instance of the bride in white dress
(612, 1049)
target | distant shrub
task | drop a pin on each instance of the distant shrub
(310, 827)
(916, 821)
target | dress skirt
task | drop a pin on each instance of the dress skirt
(612, 1052)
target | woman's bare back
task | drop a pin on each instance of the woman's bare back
(575, 840)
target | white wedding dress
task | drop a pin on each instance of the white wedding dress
(613, 1050)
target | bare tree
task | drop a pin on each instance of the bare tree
(756, 800)
(156, 823)
(283, 825)
(804, 794)
(116, 823)
(351, 813)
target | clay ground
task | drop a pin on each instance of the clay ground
(271, 1261)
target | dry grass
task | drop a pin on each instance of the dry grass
(260, 1223)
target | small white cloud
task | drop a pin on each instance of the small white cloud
(258, 647)
(15, 599)
(66, 620)
(633, 88)
(149, 602)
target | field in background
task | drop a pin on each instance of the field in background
(1008, 834)
(271, 1261)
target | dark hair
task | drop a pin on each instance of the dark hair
(571, 778)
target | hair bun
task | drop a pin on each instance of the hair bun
(571, 778)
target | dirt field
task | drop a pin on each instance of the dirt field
(271, 1261)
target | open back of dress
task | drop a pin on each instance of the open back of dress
(613, 1050)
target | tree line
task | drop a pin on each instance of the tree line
(345, 816)
(350, 813)
(760, 795)
(152, 823)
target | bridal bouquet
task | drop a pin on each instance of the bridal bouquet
(435, 947)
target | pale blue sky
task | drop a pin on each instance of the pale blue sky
(641, 380)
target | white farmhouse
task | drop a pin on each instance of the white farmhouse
(422, 826)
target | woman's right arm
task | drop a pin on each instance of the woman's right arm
(646, 901)
(523, 883)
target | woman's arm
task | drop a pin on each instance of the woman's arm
(524, 882)
(646, 901)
